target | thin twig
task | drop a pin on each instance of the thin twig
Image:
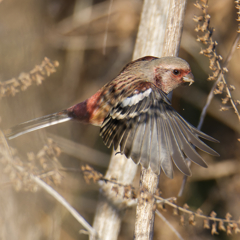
(196, 214)
(209, 100)
(63, 201)
(169, 225)
(211, 94)
(51, 191)
(107, 26)
(25, 80)
(162, 202)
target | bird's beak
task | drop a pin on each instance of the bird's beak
(189, 78)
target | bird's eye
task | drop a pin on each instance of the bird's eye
(176, 72)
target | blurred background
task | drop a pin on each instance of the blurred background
(92, 40)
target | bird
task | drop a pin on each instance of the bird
(135, 114)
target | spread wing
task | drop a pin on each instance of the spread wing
(152, 133)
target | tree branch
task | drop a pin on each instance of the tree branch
(159, 35)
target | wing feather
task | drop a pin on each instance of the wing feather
(130, 141)
(152, 133)
(165, 158)
(144, 159)
(193, 138)
(196, 131)
(124, 140)
(109, 132)
(155, 147)
(138, 140)
(176, 153)
(118, 137)
(144, 105)
(186, 147)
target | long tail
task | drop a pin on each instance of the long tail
(37, 123)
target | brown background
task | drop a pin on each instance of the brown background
(73, 33)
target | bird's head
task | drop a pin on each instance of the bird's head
(171, 72)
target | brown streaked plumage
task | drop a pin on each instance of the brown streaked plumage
(134, 113)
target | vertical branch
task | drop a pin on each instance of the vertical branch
(159, 35)
(111, 206)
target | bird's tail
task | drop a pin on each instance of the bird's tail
(37, 123)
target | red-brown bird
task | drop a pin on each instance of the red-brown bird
(134, 113)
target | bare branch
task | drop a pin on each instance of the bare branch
(159, 35)
(7, 154)
(63, 201)
(24, 80)
(169, 225)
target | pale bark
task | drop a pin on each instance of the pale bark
(111, 206)
(159, 35)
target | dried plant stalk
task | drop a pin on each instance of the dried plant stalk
(27, 180)
(237, 2)
(159, 35)
(111, 206)
(215, 65)
(25, 80)
(169, 27)
(184, 213)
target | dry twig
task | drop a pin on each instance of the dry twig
(26, 177)
(183, 212)
(214, 59)
(218, 71)
(169, 225)
(25, 80)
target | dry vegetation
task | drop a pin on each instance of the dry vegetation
(92, 40)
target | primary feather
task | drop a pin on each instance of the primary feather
(156, 136)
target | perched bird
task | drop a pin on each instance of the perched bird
(134, 112)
